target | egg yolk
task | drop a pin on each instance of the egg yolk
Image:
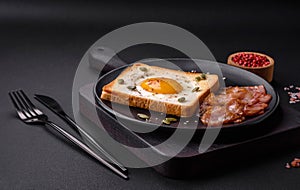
(161, 86)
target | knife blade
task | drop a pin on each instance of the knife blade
(54, 106)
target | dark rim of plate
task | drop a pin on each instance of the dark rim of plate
(251, 122)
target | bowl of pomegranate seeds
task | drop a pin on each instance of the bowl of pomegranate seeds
(258, 63)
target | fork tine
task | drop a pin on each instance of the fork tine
(22, 99)
(20, 111)
(16, 96)
(33, 107)
(27, 99)
(26, 103)
(14, 101)
(19, 104)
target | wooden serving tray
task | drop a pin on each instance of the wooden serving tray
(230, 150)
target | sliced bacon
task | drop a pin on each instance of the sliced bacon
(252, 110)
(234, 105)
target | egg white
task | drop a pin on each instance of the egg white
(136, 76)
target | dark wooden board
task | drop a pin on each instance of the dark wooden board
(279, 131)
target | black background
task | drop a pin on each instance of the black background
(42, 42)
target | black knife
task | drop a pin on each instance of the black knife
(56, 108)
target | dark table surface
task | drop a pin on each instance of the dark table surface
(41, 44)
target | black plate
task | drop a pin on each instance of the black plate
(234, 77)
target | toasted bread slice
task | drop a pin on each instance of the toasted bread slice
(190, 89)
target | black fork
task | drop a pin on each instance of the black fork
(29, 114)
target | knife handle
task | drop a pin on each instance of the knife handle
(94, 143)
(85, 148)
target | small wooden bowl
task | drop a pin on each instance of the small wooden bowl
(265, 72)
